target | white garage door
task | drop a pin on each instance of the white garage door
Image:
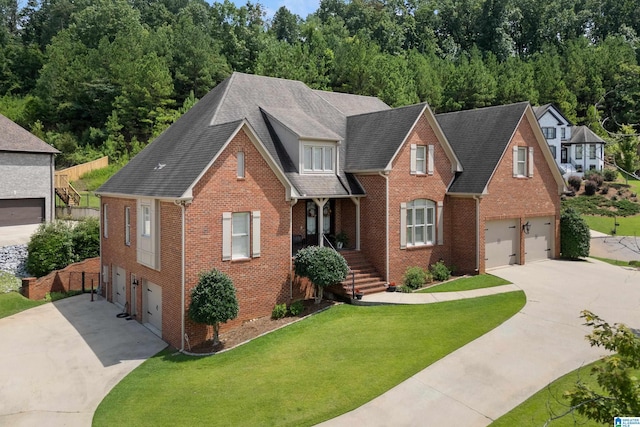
(119, 289)
(501, 243)
(539, 242)
(152, 295)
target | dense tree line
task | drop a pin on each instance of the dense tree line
(106, 76)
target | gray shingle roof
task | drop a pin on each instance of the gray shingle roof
(541, 110)
(479, 138)
(13, 137)
(374, 138)
(584, 135)
(187, 147)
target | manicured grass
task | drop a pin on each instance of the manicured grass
(467, 283)
(549, 402)
(13, 302)
(306, 373)
(617, 262)
(629, 226)
(8, 282)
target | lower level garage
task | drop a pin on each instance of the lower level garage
(152, 307)
(21, 211)
(502, 243)
(538, 238)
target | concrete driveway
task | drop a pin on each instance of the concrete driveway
(59, 360)
(491, 375)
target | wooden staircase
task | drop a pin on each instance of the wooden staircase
(65, 191)
(367, 278)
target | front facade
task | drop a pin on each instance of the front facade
(576, 149)
(261, 167)
(27, 169)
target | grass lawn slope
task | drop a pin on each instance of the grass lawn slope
(12, 303)
(467, 283)
(306, 373)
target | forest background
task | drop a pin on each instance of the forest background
(104, 77)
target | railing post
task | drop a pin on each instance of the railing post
(353, 284)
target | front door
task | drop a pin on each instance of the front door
(317, 221)
(563, 154)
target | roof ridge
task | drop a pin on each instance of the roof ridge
(390, 110)
(222, 98)
(514, 104)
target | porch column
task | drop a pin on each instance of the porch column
(356, 201)
(320, 204)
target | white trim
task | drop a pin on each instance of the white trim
(226, 236)
(440, 223)
(403, 225)
(530, 165)
(414, 159)
(430, 160)
(255, 229)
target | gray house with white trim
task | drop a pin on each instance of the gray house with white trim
(27, 176)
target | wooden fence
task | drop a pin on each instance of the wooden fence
(75, 172)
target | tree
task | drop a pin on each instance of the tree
(50, 248)
(575, 238)
(86, 239)
(323, 266)
(213, 301)
(625, 150)
(619, 393)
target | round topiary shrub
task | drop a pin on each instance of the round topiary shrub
(590, 188)
(575, 238)
(322, 266)
(574, 182)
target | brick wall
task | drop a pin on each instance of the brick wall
(372, 221)
(463, 237)
(68, 279)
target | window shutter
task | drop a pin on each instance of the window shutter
(255, 247)
(403, 225)
(440, 223)
(226, 236)
(530, 166)
(430, 161)
(414, 150)
(515, 161)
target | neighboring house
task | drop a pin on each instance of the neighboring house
(575, 149)
(262, 166)
(27, 169)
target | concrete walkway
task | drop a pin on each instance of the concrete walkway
(490, 376)
(621, 248)
(59, 360)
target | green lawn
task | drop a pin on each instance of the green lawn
(549, 402)
(467, 283)
(13, 302)
(629, 226)
(613, 261)
(306, 373)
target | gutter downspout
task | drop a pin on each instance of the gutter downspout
(477, 199)
(292, 203)
(385, 175)
(182, 266)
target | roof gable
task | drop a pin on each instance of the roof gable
(584, 135)
(553, 111)
(14, 137)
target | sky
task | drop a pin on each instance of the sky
(302, 8)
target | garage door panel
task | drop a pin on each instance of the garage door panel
(21, 211)
(501, 243)
(538, 242)
(153, 306)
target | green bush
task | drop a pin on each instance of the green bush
(296, 308)
(610, 174)
(405, 289)
(590, 188)
(414, 278)
(50, 248)
(55, 296)
(575, 238)
(440, 272)
(8, 282)
(574, 182)
(322, 266)
(279, 311)
(595, 176)
(86, 239)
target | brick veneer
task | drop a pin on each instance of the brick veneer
(67, 279)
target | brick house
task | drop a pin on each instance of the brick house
(263, 166)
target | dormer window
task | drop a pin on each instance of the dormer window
(319, 158)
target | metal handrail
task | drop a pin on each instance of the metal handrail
(326, 239)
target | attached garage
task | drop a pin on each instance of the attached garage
(21, 211)
(119, 286)
(538, 238)
(152, 307)
(502, 243)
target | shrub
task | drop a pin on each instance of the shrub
(50, 248)
(405, 289)
(86, 239)
(296, 308)
(213, 301)
(610, 174)
(575, 182)
(595, 176)
(604, 189)
(279, 311)
(440, 271)
(575, 238)
(590, 188)
(322, 266)
(8, 282)
(415, 277)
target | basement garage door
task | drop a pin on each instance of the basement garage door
(152, 300)
(501, 243)
(538, 243)
(119, 286)
(21, 211)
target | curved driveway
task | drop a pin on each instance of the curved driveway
(491, 375)
(59, 360)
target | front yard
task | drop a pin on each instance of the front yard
(306, 373)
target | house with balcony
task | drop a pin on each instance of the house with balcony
(575, 149)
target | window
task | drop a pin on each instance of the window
(105, 222)
(420, 216)
(522, 161)
(592, 151)
(148, 233)
(318, 158)
(127, 226)
(146, 220)
(563, 133)
(549, 132)
(240, 164)
(240, 235)
(553, 150)
(578, 152)
(421, 159)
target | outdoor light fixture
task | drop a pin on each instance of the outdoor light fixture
(526, 227)
(135, 282)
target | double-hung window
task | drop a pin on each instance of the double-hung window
(240, 166)
(523, 162)
(240, 235)
(318, 158)
(127, 226)
(549, 132)
(105, 220)
(422, 159)
(147, 237)
(592, 151)
(578, 152)
(420, 217)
